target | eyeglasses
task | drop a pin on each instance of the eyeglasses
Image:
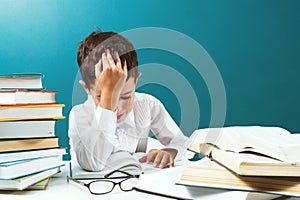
(105, 186)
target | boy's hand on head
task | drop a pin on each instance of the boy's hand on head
(160, 157)
(111, 81)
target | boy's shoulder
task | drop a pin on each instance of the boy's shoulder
(144, 99)
(87, 106)
(139, 97)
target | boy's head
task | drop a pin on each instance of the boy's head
(91, 48)
(88, 56)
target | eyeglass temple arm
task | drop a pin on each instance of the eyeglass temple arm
(120, 171)
(159, 194)
(76, 181)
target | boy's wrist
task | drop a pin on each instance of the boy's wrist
(107, 102)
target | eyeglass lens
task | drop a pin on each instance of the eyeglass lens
(101, 187)
(105, 186)
(129, 184)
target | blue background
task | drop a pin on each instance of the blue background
(254, 43)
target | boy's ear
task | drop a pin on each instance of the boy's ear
(138, 76)
(83, 84)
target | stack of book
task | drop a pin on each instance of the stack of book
(249, 158)
(29, 150)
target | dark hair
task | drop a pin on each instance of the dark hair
(90, 52)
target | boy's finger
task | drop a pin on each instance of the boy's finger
(98, 69)
(118, 60)
(125, 68)
(158, 159)
(164, 161)
(151, 157)
(110, 59)
(171, 164)
(105, 62)
(143, 159)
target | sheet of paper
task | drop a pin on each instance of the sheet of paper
(164, 181)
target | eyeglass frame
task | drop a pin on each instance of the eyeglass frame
(129, 176)
(106, 177)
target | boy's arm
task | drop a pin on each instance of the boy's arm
(168, 133)
(166, 130)
(89, 141)
(110, 81)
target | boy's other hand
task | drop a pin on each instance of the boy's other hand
(160, 157)
(111, 81)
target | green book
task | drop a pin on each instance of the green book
(42, 185)
(29, 181)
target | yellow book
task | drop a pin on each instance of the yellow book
(31, 112)
(216, 176)
(42, 185)
(24, 144)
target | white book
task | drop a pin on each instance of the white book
(27, 128)
(21, 81)
(15, 169)
(27, 181)
(250, 150)
(16, 97)
(121, 160)
(25, 155)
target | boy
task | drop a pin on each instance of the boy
(115, 117)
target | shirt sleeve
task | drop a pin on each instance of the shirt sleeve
(92, 136)
(166, 130)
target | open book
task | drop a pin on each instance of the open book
(121, 160)
(250, 150)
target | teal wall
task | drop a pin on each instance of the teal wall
(254, 43)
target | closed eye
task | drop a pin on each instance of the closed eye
(125, 98)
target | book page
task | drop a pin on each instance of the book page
(120, 160)
(271, 141)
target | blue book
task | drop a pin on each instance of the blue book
(21, 81)
(15, 169)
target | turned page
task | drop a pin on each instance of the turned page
(271, 141)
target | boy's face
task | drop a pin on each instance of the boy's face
(126, 99)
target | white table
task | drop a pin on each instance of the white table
(58, 188)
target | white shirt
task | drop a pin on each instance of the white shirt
(95, 134)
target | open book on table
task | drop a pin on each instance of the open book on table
(121, 160)
(250, 150)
